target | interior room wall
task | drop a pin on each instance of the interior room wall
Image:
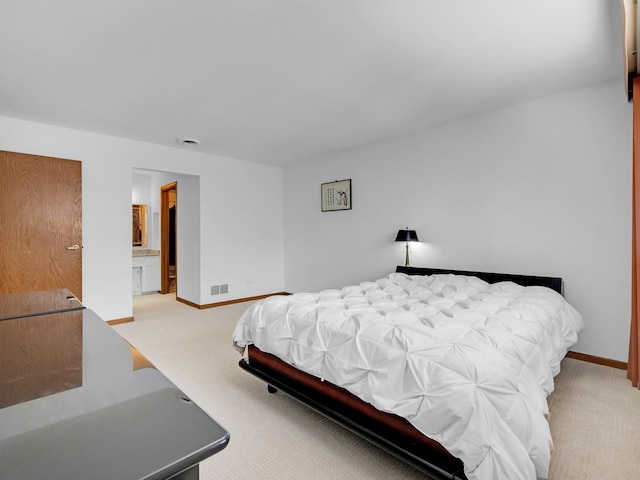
(234, 196)
(541, 188)
(141, 189)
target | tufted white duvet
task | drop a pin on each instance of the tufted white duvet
(469, 364)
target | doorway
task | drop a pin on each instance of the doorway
(168, 235)
(147, 188)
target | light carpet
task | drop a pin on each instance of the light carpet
(595, 413)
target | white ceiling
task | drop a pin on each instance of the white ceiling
(282, 81)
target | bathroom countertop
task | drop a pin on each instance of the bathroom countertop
(145, 252)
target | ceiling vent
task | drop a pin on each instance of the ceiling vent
(188, 141)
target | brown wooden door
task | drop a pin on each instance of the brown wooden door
(40, 223)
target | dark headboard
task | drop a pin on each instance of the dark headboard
(554, 283)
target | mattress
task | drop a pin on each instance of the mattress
(468, 363)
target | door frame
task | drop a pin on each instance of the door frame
(164, 236)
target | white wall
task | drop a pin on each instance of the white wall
(542, 188)
(233, 196)
(141, 189)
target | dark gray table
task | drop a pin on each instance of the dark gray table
(78, 402)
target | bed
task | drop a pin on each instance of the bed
(448, 370)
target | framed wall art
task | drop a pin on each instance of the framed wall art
(336, 195)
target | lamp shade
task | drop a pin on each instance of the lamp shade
(407, 236)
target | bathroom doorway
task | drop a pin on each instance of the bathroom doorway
(168, 234)
(148, 187)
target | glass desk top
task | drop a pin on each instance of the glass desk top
(28, 304)
(77, 401)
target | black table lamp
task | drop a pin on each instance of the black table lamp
(407, 236)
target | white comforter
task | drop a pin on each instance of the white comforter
(467, 363)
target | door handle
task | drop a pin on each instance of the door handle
(74, 247)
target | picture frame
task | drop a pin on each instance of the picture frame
(336, 195)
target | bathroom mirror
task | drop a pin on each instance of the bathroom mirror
(139, 216)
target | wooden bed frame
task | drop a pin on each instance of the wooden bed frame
(390, 432)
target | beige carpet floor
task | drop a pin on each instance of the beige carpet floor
(595, 413)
